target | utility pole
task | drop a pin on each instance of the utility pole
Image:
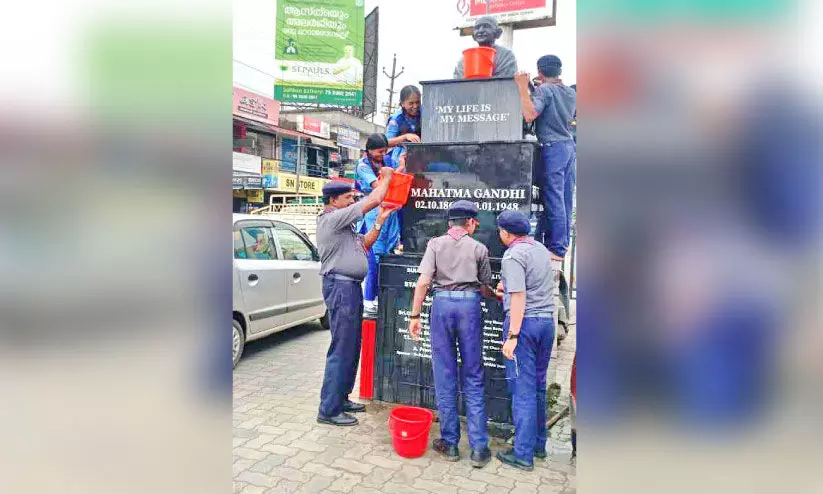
(394, 75)
(387, 109)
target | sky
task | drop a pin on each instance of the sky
(428, 47)
(421, 32)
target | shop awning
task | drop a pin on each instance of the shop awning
(272, 128)
(323, 142)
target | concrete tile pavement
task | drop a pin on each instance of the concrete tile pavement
(279, 447)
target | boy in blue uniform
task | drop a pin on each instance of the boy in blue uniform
(366, 175)
(527, 290)
(458, 267)
(553, 107)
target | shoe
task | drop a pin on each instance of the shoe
(352, 407)
(510, 459)
(449, 452)
(342, 420)
(481, 458)
(540, 453)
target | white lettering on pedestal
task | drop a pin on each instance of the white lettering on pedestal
(492, 337)
(477, 114)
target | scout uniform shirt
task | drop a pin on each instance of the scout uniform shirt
(341, 248)
(556, 106)
(389, 235)
(456, 261)
(526, 267)
(400, 124)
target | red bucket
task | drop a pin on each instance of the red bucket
(398, 192)
(478, 62)
(409, 428)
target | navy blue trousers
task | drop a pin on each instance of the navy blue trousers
(344, 300)
(457, 321)
(526, 379)
(556, 179)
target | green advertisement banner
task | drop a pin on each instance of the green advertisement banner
(319, 51)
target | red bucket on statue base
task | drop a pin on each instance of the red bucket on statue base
(478, 62)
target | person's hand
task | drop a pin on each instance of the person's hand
(402, 166)
(508, 348)
(411, 137)
(499, 291)
(414, 329)
(522, 79)
(383, 213)
(386, 172)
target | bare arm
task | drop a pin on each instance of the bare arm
(371, 237)
(396, 141)
(420, 291)
(378, 193)
(516, 311)
(488, 291)
(529, 111)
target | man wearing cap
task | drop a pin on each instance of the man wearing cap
(343, 266)
(377, 146)
(527, 290)
(553, 107)
(486, 32)
(458, 268)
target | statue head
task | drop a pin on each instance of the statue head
(486, 31)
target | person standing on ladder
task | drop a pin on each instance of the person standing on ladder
(343, 266)
(553, 107)
(458, 267)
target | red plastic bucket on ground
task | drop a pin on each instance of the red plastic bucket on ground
(409, 428)
(398, 192)
(478, 62)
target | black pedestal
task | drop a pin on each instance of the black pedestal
(403, 368)
(472, 110)
(495, 175)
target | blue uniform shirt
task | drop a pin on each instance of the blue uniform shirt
(399, 124)
(390, 233)
(555, 105)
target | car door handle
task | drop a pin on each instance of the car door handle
(297, 277)
(253, 277)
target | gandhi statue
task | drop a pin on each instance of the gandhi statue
(486, 32)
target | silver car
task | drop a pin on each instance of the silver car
(276, 280)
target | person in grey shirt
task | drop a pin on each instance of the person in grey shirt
(527, 290)
(486, 32)
(343, 266)
(459, 268)
(553, 105)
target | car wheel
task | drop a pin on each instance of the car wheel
(324, 321)
(238, 341)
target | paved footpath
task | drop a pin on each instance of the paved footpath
(279, 447)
